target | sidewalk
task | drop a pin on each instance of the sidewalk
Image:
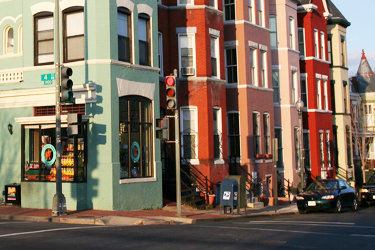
(166, 216)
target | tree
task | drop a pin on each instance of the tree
(363, 125)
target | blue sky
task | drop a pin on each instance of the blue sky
(361, 32)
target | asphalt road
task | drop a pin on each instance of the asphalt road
(346, 230)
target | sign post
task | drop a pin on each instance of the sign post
(275, 159)
(59, 203)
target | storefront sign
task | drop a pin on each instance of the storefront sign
(135, 152)
(48, 154)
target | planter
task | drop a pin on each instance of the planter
(259, 156)
(269, 156)
(211, 199)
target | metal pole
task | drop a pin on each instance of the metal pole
(59, 204)
(178, 158)
(275, 159)
(301, 150)
(178, 168)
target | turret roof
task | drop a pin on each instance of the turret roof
(365, 76)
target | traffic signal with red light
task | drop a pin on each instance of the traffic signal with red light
(66, 85)
(171, 92)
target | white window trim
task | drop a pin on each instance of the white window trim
(262, 21)
(194, 52)
(252, 4)
(263, 53)
(182, 4)
(319, 94)
(292, 33)
(258, 132)
(322, 46)
(195, 108)
(325, 94)
(316, 43)
(20, 39)
(256, 74)
(275, 31)
(220, 131)
(217, 55)
(6, 38)
(304, 43)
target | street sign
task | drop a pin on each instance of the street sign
(48, 78)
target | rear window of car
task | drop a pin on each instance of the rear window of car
(371, 181)
(323, 185)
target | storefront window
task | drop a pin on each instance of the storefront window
(135, 137)
(40, 142)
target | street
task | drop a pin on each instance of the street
(327, 230)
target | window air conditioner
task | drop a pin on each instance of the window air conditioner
(189, 71)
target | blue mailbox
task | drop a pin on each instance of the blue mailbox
(229, 195)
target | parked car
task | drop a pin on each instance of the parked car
(327, 195)
(367, 193)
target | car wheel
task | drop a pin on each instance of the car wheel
(355, 205)
(302, 211)
(338, 208)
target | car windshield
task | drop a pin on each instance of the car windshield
(322, 185)
(371, 181)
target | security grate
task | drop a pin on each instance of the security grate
(51, 110)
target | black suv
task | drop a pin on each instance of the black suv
(367, 193)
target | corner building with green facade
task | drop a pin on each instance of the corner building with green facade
(113, 162)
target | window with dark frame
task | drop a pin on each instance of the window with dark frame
(256, 133)
(144, 39)
(231, 56)
(74, 35)
(234, 135)
(43, 39)
(36, 141)
(124, 35)
(278, 135)
(135, 137)
(229, 10)
(267, 135)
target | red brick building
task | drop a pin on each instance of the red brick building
(315, 79)
(191, 40)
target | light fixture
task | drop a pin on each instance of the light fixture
(299, 104)
(10, 128)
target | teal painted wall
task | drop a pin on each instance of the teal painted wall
(102, 190)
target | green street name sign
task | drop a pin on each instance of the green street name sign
(48, 78)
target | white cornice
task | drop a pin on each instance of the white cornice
(22, 98)
(307, 8)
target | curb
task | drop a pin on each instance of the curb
(122, 221)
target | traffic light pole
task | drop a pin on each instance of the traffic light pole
(59, 204)
(178, 167)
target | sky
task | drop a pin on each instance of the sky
(361, 33)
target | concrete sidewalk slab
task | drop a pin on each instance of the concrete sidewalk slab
(165, 216)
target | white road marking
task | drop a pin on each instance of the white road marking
(50, 230)
(288, 231)
(321, 224)
(304, 222)
(272, 230)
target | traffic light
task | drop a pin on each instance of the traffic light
(74, 124)
(66, 85)
(163, 132)
(171, 92)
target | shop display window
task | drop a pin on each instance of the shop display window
(39, 142)
(135, 138)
